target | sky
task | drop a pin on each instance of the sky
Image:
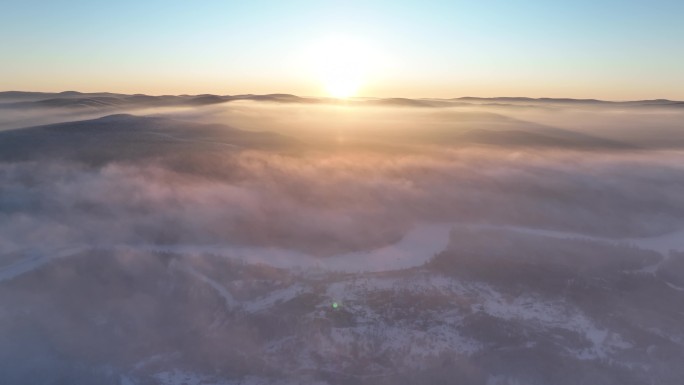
(605, 49)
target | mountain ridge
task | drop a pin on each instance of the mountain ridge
(29, 99)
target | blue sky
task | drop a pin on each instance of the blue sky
(604, 49)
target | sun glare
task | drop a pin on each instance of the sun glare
(342, 85)
(342, 65)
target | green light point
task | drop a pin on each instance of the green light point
(335, 305)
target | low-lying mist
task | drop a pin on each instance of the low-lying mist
(340, 201)
(489, 240)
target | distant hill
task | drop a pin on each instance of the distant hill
(106, 100)
(100, 101)
(466, 128)
(521, 138)
(125, 137)
(568, 101)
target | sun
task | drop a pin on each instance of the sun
(342, 65)
(342, 84)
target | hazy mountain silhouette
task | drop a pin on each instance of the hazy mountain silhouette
(106, 100)
(570, 101)
(128, 137)
(466, 127)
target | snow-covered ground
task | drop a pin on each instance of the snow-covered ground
(429, 314)
(541, 312)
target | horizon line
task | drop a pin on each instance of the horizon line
(349, 98)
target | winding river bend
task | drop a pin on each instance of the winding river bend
(415, 248)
